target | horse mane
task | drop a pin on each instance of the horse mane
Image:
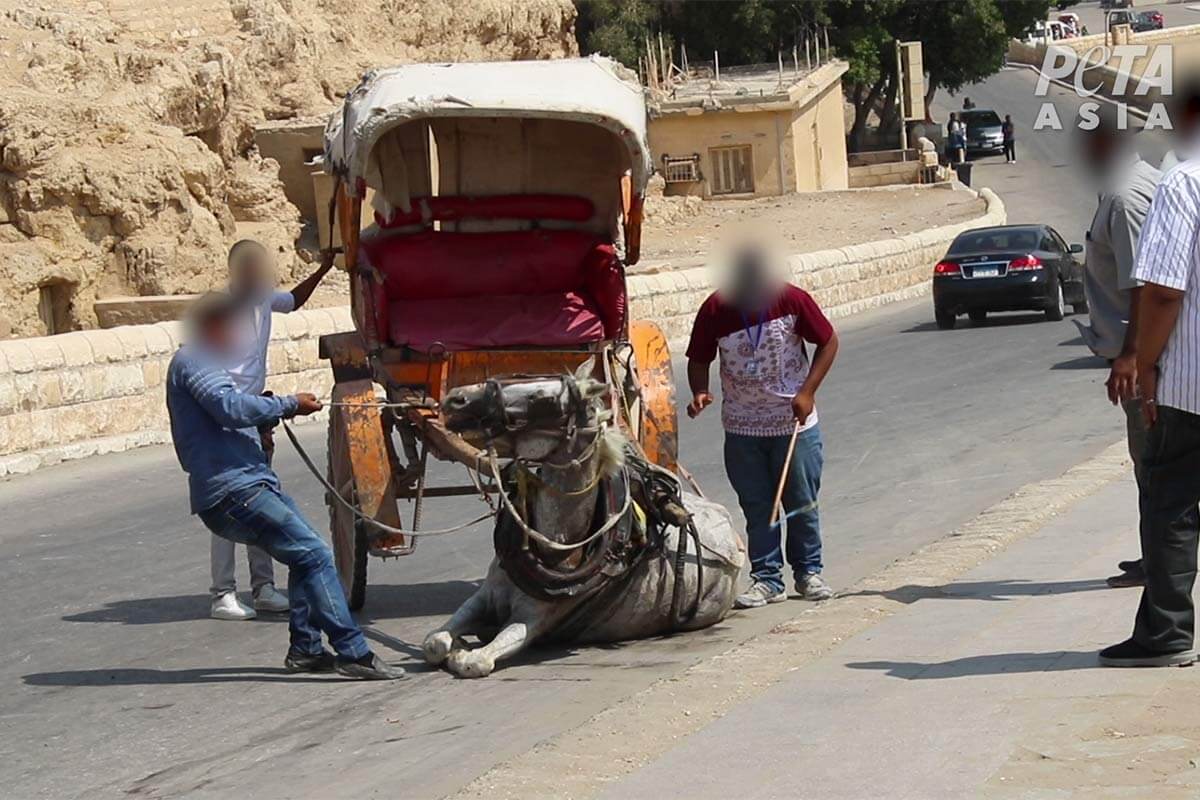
(611, 450)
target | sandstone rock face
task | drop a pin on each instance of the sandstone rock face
(126, 126)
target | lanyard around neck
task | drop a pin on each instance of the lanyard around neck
(755, 337)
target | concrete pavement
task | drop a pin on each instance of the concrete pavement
(985, 687)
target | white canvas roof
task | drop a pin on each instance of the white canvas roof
(593, 90)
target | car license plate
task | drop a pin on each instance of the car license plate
(986, 272)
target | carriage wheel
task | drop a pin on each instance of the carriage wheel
(660, 425)
(346, 530)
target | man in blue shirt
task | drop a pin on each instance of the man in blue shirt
(237, 495)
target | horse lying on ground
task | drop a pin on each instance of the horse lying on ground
(593, 543)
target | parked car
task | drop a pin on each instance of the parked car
(1148, 21)
(1007, 268)
(983, 130)
(1115, 3)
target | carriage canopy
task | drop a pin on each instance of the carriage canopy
(566, 126)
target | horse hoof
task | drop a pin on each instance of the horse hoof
(437, 646)
(470, 664)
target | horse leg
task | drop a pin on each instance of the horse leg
(468, 619)
(528, 622)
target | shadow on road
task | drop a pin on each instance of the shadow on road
(385, 601)
(1082, 362)
(993, 321)
(981, 590)
(971, 666)
(131, 676)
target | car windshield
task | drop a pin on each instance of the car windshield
(979, 119)
(999, 240)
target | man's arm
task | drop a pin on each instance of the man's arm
(1122, 378)
(823, 356)
(1158, 309)
(306, 287)
(698, 382)
(214, 390)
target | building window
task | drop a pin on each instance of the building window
(681, 169)
(732, 170)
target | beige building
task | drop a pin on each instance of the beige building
(759, 130)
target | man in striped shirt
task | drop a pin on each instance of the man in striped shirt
(237, 495)
(1168, 375)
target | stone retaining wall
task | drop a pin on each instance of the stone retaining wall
(89, 392)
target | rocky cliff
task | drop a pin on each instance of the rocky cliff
(126, 152)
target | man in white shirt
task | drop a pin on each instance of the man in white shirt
(1168, 377)
(252, 281)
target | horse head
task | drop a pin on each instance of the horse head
(535, 418)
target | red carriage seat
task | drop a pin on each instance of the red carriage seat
(496, 289)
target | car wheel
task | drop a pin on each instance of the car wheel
(1058, 305)
(945, 320)
(978, 316)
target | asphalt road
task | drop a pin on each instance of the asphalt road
(116, 683)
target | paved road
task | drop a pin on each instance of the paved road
(116, 683)
(1174, 14)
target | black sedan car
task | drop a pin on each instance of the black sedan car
(1007, 268)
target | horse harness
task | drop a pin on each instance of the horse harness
(635, 507)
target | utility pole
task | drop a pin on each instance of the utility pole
(900, 104)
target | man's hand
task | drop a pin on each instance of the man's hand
(1147, 381)
(700, 401)
(1122, 380)
(307, 404)
(802, 405)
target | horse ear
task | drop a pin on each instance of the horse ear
(586, 369)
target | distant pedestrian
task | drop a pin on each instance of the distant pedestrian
(758, 326)
(238, 497)
(1126, 187)
(1010, 139)
(1168, 361)
(252, 284)
(968, 104)
(956, 140)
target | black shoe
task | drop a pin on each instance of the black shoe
(308, 662)
(1130, 566)
(1131, 654)
(368, 668)
(1126, 579)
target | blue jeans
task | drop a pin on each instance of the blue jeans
(754, 465)
(266, 518)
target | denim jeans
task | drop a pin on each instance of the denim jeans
(1170, 491)
(265, 518)
(754, 465)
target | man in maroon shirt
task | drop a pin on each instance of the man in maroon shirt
(758, 327)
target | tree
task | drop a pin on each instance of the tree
(963, 41)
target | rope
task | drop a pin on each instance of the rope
(350, 507)
(537, 535)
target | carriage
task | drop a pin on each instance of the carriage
(507, 201)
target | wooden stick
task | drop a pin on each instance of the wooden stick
(787, 467)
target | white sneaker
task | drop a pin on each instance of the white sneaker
(268, 598)
(758, 595)
(228, 607)
(813, 587)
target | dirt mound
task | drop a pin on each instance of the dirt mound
(126, 128)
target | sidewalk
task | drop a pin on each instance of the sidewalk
(987, 687)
